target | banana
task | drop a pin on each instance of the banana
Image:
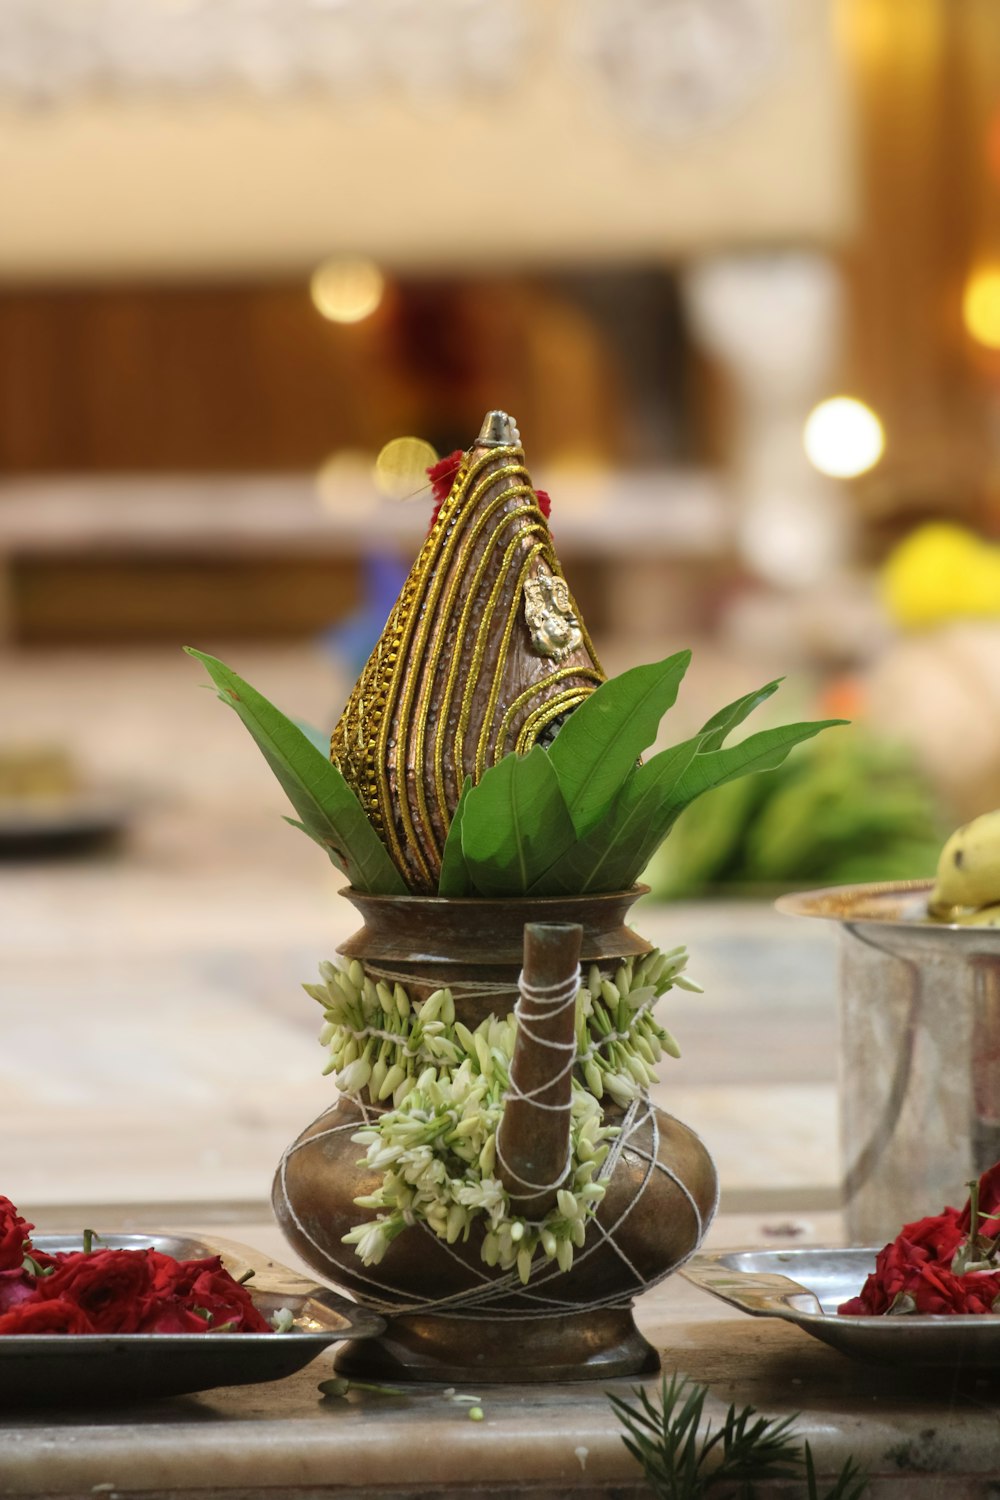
(968, 872)
(986, 916)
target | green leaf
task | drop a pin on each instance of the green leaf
(512, 822)
(454, 879)
(605, 860)
(759, 752)
(615, 853)
(714, 732)
(602, 739)
(330, 812)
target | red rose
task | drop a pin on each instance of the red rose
(57, 1315)
(442, 477)
(935, 1289)
(108, 1285)
(896, 1266)
(913, 1273)
(940, 1234)
(227, 1301)
(170, 1277)
(169, 1315)
(900, 1264)
(195, 1296)
(14, 1236)
(114, 1291)
(15, 1287)
(989, 1204)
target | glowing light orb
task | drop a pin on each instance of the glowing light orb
(981, 306)
(346, 290)
(843, 437)
(344, 483)
(399, 470)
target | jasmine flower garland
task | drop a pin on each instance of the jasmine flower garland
(436, 1144)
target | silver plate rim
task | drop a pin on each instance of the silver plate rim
(787, 1283)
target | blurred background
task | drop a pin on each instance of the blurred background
(734, 265)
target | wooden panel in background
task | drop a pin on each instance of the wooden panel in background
(125, 600)
(927, 78)
(248, 378)
(201, 379)
(107, 600)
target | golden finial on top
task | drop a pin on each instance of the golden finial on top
(498, 431)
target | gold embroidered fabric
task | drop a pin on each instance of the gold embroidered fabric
(467, 668)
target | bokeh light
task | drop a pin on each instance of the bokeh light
(981, 306)
(344, 483)
(347, 289)
(400, 469)
(843, 437)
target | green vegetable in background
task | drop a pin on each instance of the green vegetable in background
(847, 810)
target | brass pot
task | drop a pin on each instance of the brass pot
(450, 1316)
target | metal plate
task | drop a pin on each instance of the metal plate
(98, 1368)
(806, 1286)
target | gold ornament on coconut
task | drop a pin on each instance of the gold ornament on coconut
(483, 653)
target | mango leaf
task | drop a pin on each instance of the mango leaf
(759, 752)
(512, 823)
(714, 732)
(601, 740)
(605, 859)
(615, 853)
(330, 812)
(454, 878)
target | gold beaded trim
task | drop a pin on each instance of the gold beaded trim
(419, 689)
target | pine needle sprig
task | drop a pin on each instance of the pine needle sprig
(851, 1483)
(664, 1436)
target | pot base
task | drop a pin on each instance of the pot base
(506, 1350)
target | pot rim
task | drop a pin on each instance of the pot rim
(897, 904)
(352, 894)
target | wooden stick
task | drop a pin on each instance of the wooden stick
(533, 1139)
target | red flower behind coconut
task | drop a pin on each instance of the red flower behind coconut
(443, 474)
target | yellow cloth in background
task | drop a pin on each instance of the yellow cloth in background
(942, 572)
